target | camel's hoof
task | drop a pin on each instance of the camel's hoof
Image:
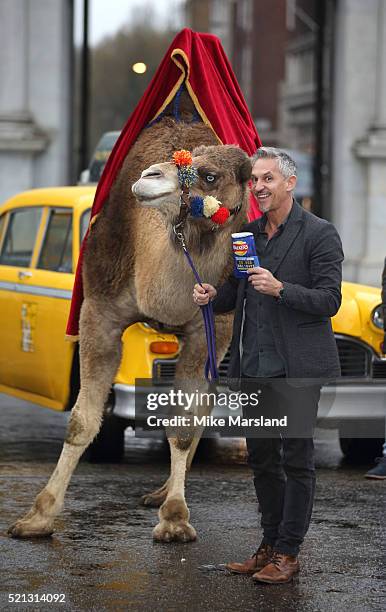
(30, 528)
(153, 500)
(174, 523)
(166, 531)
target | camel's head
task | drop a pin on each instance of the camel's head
(223, 172)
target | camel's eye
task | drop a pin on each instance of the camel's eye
(207, 175)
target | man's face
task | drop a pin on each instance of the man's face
(269, 185)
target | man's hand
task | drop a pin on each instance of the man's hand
(264, 281)
(202, 294)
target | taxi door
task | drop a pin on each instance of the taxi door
(19, 231)
(44, 318)
(42, 359)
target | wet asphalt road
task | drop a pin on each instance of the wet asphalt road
(102, 556)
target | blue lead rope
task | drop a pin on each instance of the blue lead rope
(211, 373)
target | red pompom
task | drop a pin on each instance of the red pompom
(220, 216)
(182, 158)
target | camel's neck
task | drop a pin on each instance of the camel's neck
(163, 281)
(200, 236)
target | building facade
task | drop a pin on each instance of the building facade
(35, 93)
(214, 16)
(359, 136)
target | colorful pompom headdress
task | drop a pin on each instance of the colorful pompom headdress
(208, 207)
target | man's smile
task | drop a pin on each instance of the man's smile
(263, 195)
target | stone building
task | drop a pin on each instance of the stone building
(214, 16)
(359, 136)
(35, 93)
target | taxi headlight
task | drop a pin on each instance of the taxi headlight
(377, 316)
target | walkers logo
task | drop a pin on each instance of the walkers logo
(240, 248)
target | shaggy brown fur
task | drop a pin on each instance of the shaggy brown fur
(108, 262)
(134, 271)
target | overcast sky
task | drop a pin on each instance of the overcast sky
(107, 16)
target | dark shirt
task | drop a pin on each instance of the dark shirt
(260, 357)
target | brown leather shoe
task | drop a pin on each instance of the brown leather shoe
(281, 569)
(259, 560)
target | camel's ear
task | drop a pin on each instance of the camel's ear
(244, 171)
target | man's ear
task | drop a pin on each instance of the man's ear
(244, 172)
(291, 183)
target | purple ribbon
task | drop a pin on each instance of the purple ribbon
(211, 373)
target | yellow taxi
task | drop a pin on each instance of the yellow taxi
(40, 235)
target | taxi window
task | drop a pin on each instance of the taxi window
(84, 222)
(20, 237)
(56, 253)
(2, 222)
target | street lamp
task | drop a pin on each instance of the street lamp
(84, 91)
(139, 68)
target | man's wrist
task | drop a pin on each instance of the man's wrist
(279, 291)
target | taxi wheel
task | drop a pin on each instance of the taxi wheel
(109, 445)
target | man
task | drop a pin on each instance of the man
(379, 471)
(282, 331)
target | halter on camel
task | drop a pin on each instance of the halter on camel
(210, 208)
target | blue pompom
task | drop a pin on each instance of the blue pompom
(196, 206)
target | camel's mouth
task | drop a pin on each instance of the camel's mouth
(143, 198)
(157, 185)
(152, 190)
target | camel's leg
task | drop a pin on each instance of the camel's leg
(156, 498)
(174, 513)
(223, 337)
(100, 352)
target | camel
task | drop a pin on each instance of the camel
(134, 270)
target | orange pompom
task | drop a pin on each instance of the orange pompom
(220, 216)
(182, 158)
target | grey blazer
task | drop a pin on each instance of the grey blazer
(308, 261)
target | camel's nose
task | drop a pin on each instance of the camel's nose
(152, 172)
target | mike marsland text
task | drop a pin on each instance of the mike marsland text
(210, 421)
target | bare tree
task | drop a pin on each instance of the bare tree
(115, 87)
